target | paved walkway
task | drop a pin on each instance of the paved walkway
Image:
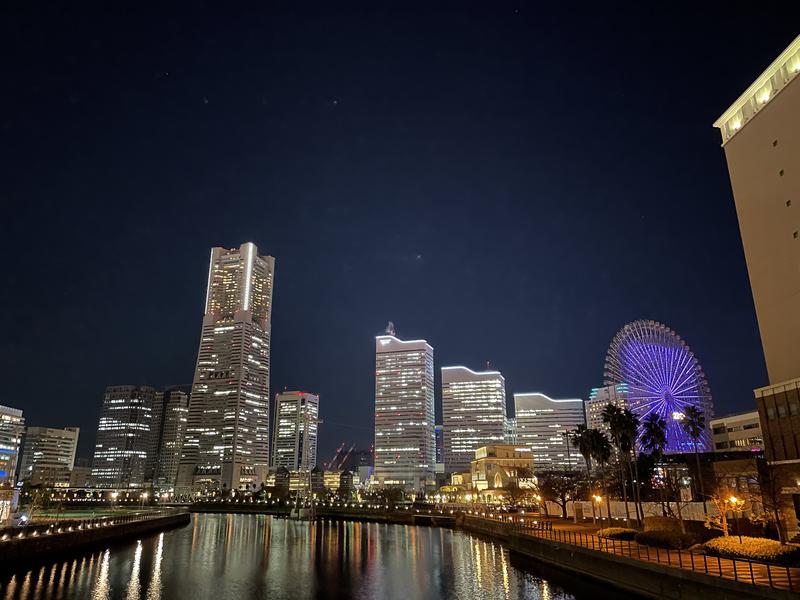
(578, 534)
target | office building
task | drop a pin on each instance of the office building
(599, 398)
(405, 444)
(227, 433)
(170, 413)
(741, 432)
(48, 455)
(761, 139)
(81, 473)
(123, 437)
(12, 426)
(473, 414)
(543, 425)
(511, 430)
(294, 443)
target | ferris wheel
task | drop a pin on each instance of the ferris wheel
(659, 373)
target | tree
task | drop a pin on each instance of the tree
(694, 424)
(582, 440)
(771, 496)
(558, 487)
(623, 426)
(601, 454)
(654, 439)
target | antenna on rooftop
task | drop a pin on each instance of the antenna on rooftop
(390, 328)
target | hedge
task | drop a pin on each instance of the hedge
(617, 533)
(674, 540)
(757, 549)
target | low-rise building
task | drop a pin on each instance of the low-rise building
(738, 432)
(500, 465)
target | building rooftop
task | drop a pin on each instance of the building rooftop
(775, 78)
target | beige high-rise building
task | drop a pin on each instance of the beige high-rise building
(405, 442)
(227, 433)
(544, 425)
(473, 414)
(761, 138)
(48, 455)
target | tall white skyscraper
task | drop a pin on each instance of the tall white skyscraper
(12, 425)
(295, 437)
(123, 437)
(227, 434)
(542, 424)
(48, 455)
(405, 445)
(473, 414)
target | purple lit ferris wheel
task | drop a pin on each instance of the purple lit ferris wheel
(659, 373)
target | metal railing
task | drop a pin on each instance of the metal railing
(741, 570)
(68, 526)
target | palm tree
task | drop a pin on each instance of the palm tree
(613, 417)
(629, 424)
(601, 454)
(694, 424)
(654, 440)
(581, 439)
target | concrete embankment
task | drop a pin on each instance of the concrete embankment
(401, 517)
(639, 577)
(29, 548)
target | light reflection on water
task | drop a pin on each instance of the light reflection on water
(253, 556)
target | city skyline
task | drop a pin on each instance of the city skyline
(428, 210)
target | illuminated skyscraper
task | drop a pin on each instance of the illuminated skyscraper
(542, 425)
(170, 411)
(473, 414)
(227, 434)
(123, 437)
(293, 447)
(405, 443)
(599, 398)
(12, 425)
(48, 455)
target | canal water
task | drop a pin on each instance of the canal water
(239, 557)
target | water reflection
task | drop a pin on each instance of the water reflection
(250, 556)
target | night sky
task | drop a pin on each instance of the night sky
(511, 183)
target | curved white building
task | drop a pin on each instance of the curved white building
(473, 414)
(542, 425)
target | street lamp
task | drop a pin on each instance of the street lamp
(143, 497)
(735, 502)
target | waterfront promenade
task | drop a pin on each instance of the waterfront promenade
(54, 538)
(644, 569)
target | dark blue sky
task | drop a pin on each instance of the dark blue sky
(512, 184)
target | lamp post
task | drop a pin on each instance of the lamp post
(143, 497)
(735, 502)
(599, 501)
(114, 499)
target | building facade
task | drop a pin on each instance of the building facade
(48, 455)
(405, 444)
(294, 444)
(473, 414)
(739, 432)
(123, 437)
(599, 398)
(12, 426)
(497, 466)
(761, 139)
(227, 432)
(170, 414)
(543, 425)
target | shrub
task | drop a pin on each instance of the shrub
(758, 549)
(617, 533)
(674, 540)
